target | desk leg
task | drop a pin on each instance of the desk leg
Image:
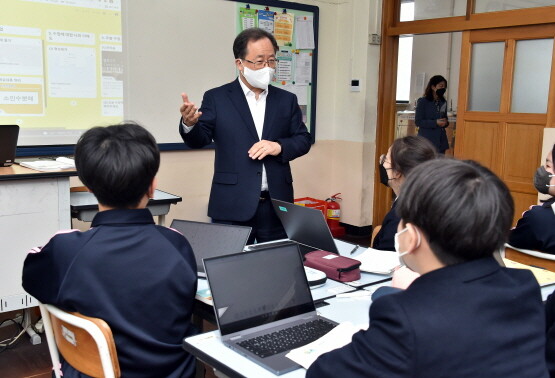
(162, 220)
(35, 338)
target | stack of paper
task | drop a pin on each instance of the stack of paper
(49, 165)
(376, 261)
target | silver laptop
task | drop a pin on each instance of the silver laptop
(8, 144)
(259, 298)
(212, 239)
(305, 226)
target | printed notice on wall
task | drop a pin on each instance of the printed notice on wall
(285, 65)
(284, 28)
(300, 91)
(303, 68)
(266, 20)
(304, 33)
(248, 18)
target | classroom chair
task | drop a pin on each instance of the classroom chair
(85, 343)
(529, 257)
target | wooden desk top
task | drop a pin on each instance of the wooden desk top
(17, 172)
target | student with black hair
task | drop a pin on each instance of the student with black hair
(431, 113)
(138, 277)
(465, 316)
(403, 155)
(536, 229)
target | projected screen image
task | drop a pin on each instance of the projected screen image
(61, 67)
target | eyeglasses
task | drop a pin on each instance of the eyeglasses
(382, 159)
(272, 63)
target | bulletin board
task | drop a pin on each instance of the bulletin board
(295, 27)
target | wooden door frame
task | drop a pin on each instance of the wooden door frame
(392, 28)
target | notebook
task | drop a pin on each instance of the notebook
(305, 226)
(8, 144)
(259, 296)
(212, 239)
(378, 261)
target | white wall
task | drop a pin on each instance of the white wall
(342, 158)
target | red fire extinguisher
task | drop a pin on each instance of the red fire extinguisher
(333, 215)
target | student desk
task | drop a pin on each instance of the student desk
(208, 347)
(204, 310)
(84, 205)
(33, 206)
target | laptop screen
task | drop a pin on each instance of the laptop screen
(255, 288)
(212, 239)
(305, 225)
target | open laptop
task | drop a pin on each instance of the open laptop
(8, 144)
(303, 225)
(212, 239)
(258, 297)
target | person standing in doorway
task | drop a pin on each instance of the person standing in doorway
(431, 113)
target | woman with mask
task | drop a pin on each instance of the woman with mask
(536, 229)
(403, 155)
(431, 113)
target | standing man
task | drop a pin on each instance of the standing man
(257, 129)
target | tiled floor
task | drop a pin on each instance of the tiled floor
(24, 360)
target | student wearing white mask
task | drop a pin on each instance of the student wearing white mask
(536, 229)
(465, 316)
(257, 129)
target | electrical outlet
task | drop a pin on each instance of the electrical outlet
(374, 39)
(13, 302)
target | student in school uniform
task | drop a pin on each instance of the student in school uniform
(138, 277)
(403, 155)
(465, 316)
(536, 229)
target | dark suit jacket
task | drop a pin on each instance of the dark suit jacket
(384, 239)
(227, 120)
(139, 277)
(550, 323)
(473, 319)
(425, 117)
(536, 229)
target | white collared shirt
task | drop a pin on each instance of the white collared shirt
(258, 111)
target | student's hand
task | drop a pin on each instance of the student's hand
(403, 277)
(261, 149)
(442, 122)
(189, 111)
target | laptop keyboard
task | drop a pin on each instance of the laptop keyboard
(287, 339)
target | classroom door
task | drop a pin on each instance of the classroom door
(506, 99)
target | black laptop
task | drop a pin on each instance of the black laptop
(303, 225)
(8, 144)
(212, 239)
(263, 305)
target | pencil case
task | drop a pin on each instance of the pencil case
(336, 267)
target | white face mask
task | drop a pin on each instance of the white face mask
(259, 78)
(397, 247)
